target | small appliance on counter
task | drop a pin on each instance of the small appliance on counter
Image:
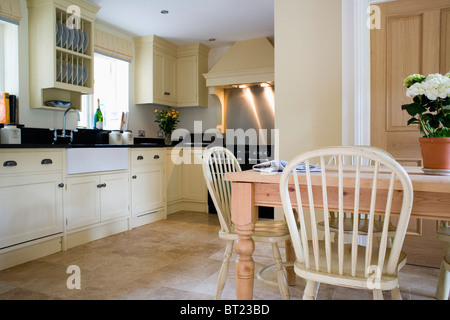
(127, 137)
(115, 137)
(10, 134)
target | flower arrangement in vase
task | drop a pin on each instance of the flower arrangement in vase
(168, 121)
(431, 111)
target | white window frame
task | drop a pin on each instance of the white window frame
(356, 78)
(9, 57)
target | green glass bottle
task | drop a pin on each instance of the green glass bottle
(98, 118)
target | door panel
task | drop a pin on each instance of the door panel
(31, 208)
(445, 41)
(402, 36)
(82, 202)
(414, 38)
(114, 196)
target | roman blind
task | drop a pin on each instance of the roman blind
(113, 46)
(10, 10)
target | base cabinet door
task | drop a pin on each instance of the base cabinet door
(114, 196)
(148, 189)
(30, 208)
(96, 198)
(194, 186)
(82, 201)
(174, 172)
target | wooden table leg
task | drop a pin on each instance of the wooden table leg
(244, 216)
(290, 257)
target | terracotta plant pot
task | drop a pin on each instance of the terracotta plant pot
(435, 153)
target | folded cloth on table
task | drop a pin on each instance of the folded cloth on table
(279, 165)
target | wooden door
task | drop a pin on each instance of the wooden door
(414, 38)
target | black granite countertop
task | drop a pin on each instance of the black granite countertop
(70, 146)
(73, 146)
(37, 138)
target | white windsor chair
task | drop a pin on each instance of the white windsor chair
(217, 162)
(363, 218)
(318, 260)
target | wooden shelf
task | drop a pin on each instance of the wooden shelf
(74, 53)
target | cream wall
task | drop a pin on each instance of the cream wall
(308, 74)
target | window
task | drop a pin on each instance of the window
(9, 57)
(112, 89)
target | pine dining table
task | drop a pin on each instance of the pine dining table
(251, 189)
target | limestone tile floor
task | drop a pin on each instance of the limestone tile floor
(175, 259)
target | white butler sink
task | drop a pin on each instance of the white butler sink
(87, 160)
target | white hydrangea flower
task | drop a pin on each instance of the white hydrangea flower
(434, 76)
(415, 90)
(433, 87)
(436, 86)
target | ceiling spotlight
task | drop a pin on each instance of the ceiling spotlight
(264, 85)
(243, 86)
(165, 12)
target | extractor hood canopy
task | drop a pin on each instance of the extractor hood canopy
(246, 62)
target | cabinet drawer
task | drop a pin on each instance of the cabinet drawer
(148, 157)
(35, 162)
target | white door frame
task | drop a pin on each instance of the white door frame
(356, 71)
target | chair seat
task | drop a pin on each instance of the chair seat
(363, 226)
(265, 231)
(387, 282)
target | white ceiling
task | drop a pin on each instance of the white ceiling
(191, 21)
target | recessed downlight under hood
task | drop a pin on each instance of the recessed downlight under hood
(246, 62)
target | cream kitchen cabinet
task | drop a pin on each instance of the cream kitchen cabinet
(192, 63)
(61, 50)
(31, 193)
(148, 185)
(170, 75)
(165, 76)
(194, 186)
(91, 199)
(174, 174)
(156, 71)
(186, 185)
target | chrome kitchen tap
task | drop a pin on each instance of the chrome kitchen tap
(64, 135)
(65, 114)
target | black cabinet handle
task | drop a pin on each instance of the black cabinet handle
(61, 185)
(10, 164)
(156, 157)
(140, 158)
(101, 186)
(134, 177)
(47, 161)
(167, 93)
